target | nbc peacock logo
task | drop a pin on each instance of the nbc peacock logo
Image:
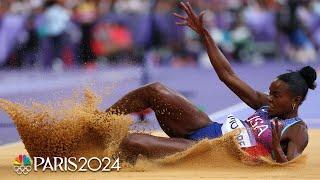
(22, 164)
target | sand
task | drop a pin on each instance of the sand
(76, 127)
(307, 170)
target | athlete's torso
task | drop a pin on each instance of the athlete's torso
(260, 129)
(255, 135)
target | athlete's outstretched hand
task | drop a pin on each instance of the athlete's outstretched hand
(192, 20)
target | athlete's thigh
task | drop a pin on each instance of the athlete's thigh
(177, 116)
(154, 146)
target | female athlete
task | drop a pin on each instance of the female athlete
(275, 128)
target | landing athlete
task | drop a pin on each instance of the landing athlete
(275, 129)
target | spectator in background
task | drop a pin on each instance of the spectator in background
(300, 47)
(165, 35)
(27, 51)
(86, 15)
(242, 40)
(310, 16)
(54, 25)
(316, 26)
(111, 40)
(29, 48)
(260, 19)
(131, 6)
(11, 34)
(135, 30)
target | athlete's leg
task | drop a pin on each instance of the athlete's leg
(177, 116)
(152, 146)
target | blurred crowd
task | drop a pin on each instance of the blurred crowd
(53, 34)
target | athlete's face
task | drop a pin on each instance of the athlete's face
(280, 99)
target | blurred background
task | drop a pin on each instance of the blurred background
(62, 34)
(49, 48)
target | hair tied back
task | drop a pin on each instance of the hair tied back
(309, 74)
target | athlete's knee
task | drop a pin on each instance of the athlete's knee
(157, 86)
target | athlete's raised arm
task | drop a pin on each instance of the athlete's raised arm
(251, 97)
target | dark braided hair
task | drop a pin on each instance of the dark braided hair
(300, 81)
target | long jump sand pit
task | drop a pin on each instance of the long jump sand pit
(308, 168)
(80, 129)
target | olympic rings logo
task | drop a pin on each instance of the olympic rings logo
(22, 164)
(22, 169)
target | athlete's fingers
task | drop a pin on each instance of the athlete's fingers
(275, 137)
(277, 126)
(191, 10)
(189, 6)
(180, 16)
(182, 23)
(273, 129)
(184, 7)
(201, 17)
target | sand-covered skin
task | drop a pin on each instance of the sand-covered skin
(77, 128)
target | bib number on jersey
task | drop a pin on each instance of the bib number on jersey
(232, 123)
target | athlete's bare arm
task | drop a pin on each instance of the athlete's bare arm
(295, 144)
(251, 97)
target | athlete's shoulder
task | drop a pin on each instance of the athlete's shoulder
(302, 124)
(300, 128)
(298, 133)
(299, 124)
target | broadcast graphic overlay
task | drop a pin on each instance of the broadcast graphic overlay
(22, 164)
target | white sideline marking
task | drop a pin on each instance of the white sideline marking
(229, 110)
